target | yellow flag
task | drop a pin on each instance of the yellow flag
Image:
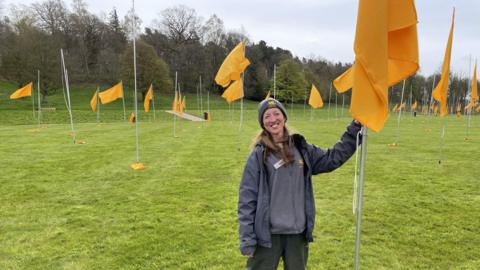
(175, 103)
(441, 90)
(474, 93)
(478, 109)
(234, 91)
(414, 106)
(386, 52)
(268, 95)
(25, 91)
(183, 104)
(395, 108)
(148, 98)
(93, 101)
(315, 99)
(132, 118)
(111, 94)
(233, 66)
(403, 106)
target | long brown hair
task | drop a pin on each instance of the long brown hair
(281, 150)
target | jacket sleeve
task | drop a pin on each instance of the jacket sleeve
(332, 158)
(247, 204)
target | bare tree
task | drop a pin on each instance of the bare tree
(180, 23)
(213, 31)
(52, 16)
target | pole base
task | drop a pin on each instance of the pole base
(137, 166)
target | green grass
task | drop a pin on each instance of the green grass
(67, 206)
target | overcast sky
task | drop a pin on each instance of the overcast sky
(323, 28)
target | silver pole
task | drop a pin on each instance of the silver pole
(399, 114)
(135, 78)
(431, 95)
(153, 105)
(329, 96)
(201, 96)
(176, 102)
(98, 105)
(360, 195)
(304, 102)
(123, 101)
(241, 103)
(274, 81)
(67, 87)
(33, 103)
(470, 86)
(39, 103)
(336, 105)
(442, 136)
(343, 103)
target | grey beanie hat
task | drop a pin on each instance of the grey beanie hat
(267, 104)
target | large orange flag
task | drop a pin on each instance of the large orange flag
(315, 99)
(234, 91)
(414, 106)
(441, 90)
(148, 98)
(175, 103)
(111, 94)
(25, 91)
(233, 66)
(386, 52)
(93, 101)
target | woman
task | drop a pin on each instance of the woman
(276, 209)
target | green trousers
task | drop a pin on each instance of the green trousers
(292, 248)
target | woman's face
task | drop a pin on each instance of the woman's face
(274, 121)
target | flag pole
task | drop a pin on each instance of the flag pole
(135, 79)
(469, 86)
(329, 98)
(304, 102)
(39, 104)
(336, 105)
(360, 195)
(123, 101)
(274, 81)
(33, 104)
(175, 109)
(431, 95)
(67, 87)
(98, 105)
(343, 103)
(241, 103)
(201, 97)
(153, 105)
(399, 115)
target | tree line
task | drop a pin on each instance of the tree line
(98, 51)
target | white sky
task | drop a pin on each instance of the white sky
(323, 28)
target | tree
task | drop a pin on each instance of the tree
(291, 83)
(180, 23)
(150, 69)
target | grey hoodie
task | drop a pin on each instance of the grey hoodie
(254, 193)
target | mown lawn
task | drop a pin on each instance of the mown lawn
(70, 206)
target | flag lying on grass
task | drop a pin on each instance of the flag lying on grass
(111, 94)
(25, 91)
(441, 90)
(386, 52)
(315, 99)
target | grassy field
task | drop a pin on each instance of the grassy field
(70, 206)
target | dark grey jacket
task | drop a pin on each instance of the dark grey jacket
(254, 195)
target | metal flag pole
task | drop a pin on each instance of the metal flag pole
(275, 81)
(39, 103)
(33, 104)
(329, 97)
(201, 97)
(304, 102)
(343, 103)
(153, 105)
(123, 101)
(473, 108)
(360, 195)
(67, 87)
(399, 115)
(135, 79)
(431, 94)
(98, 105)
(198, 97)
(175, 101)
(336, 105)
(241, 103)
(291, 107)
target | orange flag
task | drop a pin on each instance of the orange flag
(474, 93)
(183, 104)
(132, 118)
(315, 99)
(25, 91)
(148, 98)
(441, 90)
(386, 52)
(234, 91)
(93, 101)
(414, 106)
(111, 94)
(175, 102)
(233, 66)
